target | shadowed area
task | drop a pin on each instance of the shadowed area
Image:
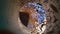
(6, 32)
(24, 17)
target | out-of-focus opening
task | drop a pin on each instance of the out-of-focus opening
(24, 17)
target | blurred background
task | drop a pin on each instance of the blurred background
(9, 10)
